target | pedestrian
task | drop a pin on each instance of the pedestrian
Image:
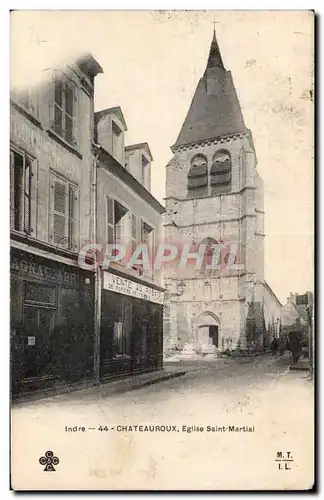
(283, 344)
(274, 346)
(295, 344)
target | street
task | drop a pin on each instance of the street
(240, 415)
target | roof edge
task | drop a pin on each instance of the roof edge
(118, 170)
(140, 145)
(220, 138)
(93, 65)
(114, 110)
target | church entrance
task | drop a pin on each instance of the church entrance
(213, 335)
(208, 331)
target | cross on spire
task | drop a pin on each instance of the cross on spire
(215, 58)
(214, 23)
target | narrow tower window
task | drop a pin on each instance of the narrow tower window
(198, 173)
(220, 172)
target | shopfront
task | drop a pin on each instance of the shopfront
(131, 338)
(52, 318)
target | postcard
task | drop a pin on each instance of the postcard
(161, 250)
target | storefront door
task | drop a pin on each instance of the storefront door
(39, 319)
(144, 360)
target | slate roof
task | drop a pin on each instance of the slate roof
(215, 110)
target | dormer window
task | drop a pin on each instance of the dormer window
(117, 140)
(198, 173)
(220, 172)
(145, 171)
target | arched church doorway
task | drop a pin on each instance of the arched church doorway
(208, 330)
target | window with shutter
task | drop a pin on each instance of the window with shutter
(145, 170)
(110, 221)
(147, 238)
(72, 234)
(27, 198)
(59, 215)
(117, 140)
(134, 232)
(20, 191)
(121, 223)
(146, 230)
(64, 109)
(64, 217)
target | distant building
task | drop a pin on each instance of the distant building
(296, 310)
(214, 196)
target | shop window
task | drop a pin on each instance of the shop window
(40, 294)
(39, 307)
(20, 191)
(121, 341)
(220, 172)
(64, 109)
(64, 213)
(198, 173)
(37, 318)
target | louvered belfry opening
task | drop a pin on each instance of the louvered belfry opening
(220, 171)
(198, 173)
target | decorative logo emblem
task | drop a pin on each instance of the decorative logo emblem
(49, 461)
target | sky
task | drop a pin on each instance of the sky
(152, 62)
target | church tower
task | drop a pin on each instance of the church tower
(214, 197)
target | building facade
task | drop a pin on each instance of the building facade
(214, 197)
(74, 186)
(131, 306)
(52, 299)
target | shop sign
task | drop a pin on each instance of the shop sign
(125, 286)
(36, 270)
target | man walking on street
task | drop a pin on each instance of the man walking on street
(295, 342)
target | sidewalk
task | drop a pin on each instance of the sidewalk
(301, 365)
(106, 387)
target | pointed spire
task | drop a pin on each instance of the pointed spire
(215, 109)
(215, 58)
